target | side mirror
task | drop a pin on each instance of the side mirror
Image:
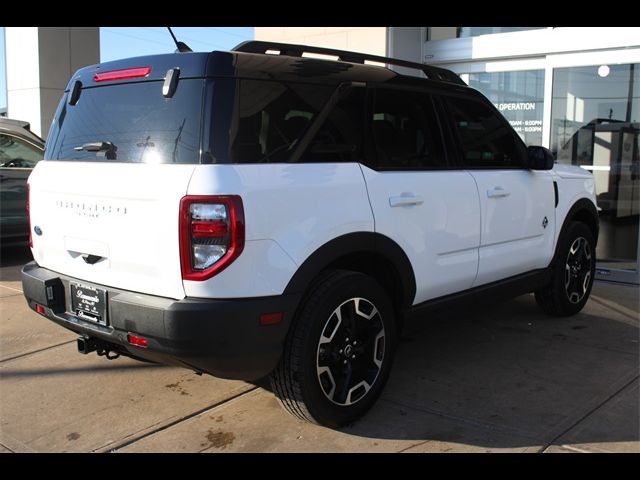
(539, 158)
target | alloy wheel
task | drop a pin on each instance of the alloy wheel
(350, 352)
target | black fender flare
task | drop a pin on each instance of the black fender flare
(581, 205)
(355, 243)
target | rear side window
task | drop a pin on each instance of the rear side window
(270, 119)
(486, 139)
(141, 124)
(340, 137)
(405, 131)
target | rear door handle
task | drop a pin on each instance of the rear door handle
(497, 192)
(405, 199)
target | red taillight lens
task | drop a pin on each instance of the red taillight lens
(211, 234)
(122, 74)
(29, 214)
(137, 341)
(209, 229)
(40, 309)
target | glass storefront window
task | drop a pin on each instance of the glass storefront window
(463, 32)
(519, 96)
(596, 124)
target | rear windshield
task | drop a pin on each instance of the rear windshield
(130, 122)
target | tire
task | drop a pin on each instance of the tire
(335, 365)
(573, 272)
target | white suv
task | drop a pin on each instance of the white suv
(248, 213)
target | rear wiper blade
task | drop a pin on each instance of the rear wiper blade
(107, 149)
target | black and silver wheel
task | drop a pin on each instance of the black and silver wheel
(577, 273)
(338, 354)
(350, 351)
(573, 273)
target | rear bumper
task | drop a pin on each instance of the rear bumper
(220, 337)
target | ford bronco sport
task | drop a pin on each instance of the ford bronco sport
(258, 212)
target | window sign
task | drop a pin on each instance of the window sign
(519, 96)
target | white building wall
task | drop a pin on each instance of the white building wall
(371, 40)
(39, 63)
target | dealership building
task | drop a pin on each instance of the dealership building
(575, 90)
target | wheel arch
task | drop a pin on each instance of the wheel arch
(367, 252)
(583, 210)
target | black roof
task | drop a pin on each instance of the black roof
(249, 62)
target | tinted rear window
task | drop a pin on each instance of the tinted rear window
(144, 126)
(256, 121)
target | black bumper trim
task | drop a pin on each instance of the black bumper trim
(220, 337)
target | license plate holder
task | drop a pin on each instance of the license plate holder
(89, 303)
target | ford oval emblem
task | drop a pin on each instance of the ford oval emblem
(38, 230)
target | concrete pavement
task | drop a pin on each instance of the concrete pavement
(501, 378)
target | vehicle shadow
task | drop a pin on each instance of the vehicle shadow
(507, 376)
(13, 258)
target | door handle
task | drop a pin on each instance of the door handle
(405, 199)
(496, 192)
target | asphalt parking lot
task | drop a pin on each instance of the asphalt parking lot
(497, 378)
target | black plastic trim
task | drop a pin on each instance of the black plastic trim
(555, 192)
(586, 205)
(292, 50)
(220, 337)
(351, 244)
(502, 289)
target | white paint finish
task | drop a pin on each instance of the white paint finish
(441, 235)
(263, 269)
(299, 206)
(513, 205)
(139, 237)
(574, 183)
(571, 171)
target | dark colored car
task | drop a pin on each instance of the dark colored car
(20, 150)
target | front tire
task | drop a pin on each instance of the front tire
(573, 273)
(338, 354)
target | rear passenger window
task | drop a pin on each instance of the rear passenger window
(405, 131)
(486, 139)
(271, 119)
(339, 139)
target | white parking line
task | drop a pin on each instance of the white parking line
(11, 288)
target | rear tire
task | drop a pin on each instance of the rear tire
(573, 272)
(338, 353)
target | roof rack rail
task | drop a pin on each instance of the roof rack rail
(291, 50)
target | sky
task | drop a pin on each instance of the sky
(122, 42)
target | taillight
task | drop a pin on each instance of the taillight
(211, 234)
(137, 341)
(29, 214)
(124, 74)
